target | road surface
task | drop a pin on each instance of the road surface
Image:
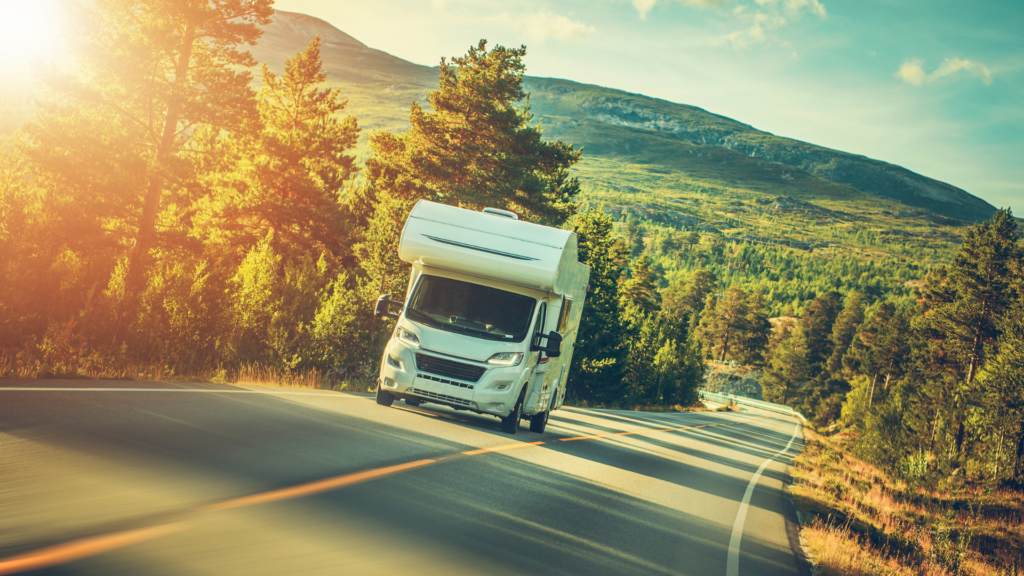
(108, 478)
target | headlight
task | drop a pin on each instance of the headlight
(506, 358)
(407, 337)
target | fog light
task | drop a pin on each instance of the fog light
(502, 386)
(389, 383)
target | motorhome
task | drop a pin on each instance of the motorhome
(489, 318)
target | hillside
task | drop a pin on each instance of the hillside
(708, 149)
(839, 220)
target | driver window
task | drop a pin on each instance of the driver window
(542, 316)
(563, 315)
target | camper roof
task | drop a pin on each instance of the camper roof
(489, 246)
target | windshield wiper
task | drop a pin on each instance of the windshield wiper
(418, 316)
(421, 317)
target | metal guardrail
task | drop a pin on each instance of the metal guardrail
(744, 401)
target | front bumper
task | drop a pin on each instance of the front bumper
(495, 392)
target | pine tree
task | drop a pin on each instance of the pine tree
(151, 73)
(595, 373)
(844, 330)
(788, 369)
(1003, 380)
(640, 289)
(725, 326)
(290, 176)
(816, 325)
(753, 343)
(967, 301)
(476, 146)
(685, 300)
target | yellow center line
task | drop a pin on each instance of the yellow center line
(78, 549)
(502, 448)
(94, 545)
(313, 487)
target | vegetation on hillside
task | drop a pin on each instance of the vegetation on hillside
(159, 216)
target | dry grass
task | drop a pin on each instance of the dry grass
(839, 551)
(262, 375)
(859, 519)
(252, 374)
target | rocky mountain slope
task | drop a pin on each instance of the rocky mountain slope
(631, 128)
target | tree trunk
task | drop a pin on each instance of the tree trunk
(1019, 460)
(139, 260)
(871, 393)
(961, 433)
(975, 359)
(935, 430)
(725, 347)
(888, 375)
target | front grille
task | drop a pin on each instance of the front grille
(442, 397)
(449, 368)
(445, 381)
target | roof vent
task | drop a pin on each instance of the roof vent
(500, 212)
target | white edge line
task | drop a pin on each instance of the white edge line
(732, 564)
(336, 395)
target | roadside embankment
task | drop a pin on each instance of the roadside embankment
(860, 520)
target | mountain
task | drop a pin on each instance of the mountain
(695, 149)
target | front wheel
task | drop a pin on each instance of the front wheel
(510, 423)
(539, 421)
(384, 398)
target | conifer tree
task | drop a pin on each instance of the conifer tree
(727, 324)
(844, 330)
(788, 369)
(476, 146)
(291, 174)
(753, 343)
(966, 302)
(685, 300)
(151, 73)
(639, 291)
(816, 326)
(597, 364)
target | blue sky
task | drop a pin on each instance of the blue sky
(936, 86)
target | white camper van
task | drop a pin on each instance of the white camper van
(490, 315)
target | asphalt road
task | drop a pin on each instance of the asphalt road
(252, 480)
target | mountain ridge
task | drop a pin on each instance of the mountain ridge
(614, 123)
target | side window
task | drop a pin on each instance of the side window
(542, 318)
(564, 315)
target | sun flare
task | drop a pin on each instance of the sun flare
(29, 32)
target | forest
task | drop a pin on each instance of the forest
(169, 213)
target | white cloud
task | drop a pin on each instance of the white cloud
(760, 20)
(912, 71)
(540, 26)
(643, 7)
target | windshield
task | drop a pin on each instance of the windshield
(471, 309)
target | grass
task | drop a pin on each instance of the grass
(860, 520)
(249, 374)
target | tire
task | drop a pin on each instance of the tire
(539, 421)
(413, 401)
(510, 423)
(384, 398)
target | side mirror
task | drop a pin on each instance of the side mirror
(383, 307)
(553, 349)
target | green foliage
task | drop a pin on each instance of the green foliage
(476, 147)
(595, 374)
